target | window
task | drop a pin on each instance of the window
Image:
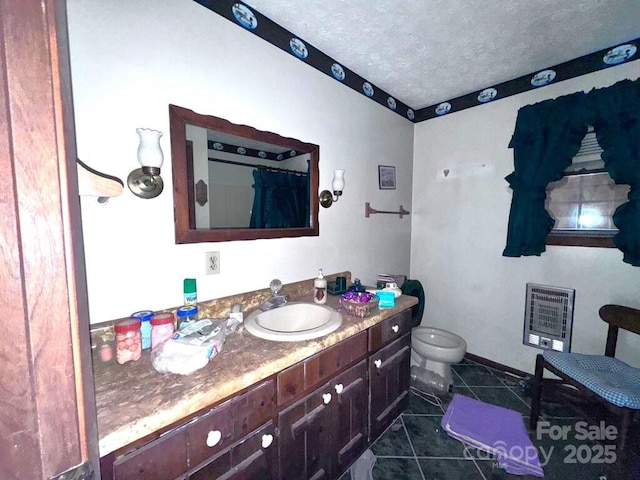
(583, 202)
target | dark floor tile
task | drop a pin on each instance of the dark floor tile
(521, 395)
(492, 471)
(568, 455)
(449, 469)
(393, 442)
(429, 439)
(396, 469)
(508, 379)
(421, 404)
(476, 375)
(501, 396)
(463, 390)
(557, 410)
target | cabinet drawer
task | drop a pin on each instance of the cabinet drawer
(253, 408)
(252, 458)
(388, 330)
(162, 458)
(227, 423)
(296, 380)
(210, 434)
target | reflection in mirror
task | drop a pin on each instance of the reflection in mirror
(233, 182)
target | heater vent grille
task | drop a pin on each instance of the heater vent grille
(548, 317)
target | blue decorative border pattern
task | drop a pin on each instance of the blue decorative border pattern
(599, 60)
(250, 152)
(256, 23)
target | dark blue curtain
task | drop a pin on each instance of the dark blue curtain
(281, 200)
(617, 127)
(548, 135)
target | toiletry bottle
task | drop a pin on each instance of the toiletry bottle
(190, 292)
(320, 288)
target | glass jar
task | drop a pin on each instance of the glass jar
(105, 347)
(186, 315)
(161, 328)
(128, 340)
(145, 317)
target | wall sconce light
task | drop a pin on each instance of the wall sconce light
(337, 185)
(146, 182)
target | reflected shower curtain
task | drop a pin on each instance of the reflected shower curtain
(281, 200)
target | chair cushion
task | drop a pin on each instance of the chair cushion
(610, 378)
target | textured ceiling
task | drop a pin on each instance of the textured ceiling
(426, 51)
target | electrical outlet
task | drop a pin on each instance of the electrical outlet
(212, 263)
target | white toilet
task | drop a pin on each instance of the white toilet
(436, 349)
(432, 349)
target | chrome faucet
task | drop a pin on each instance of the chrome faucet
(276, 300)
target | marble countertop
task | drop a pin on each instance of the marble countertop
(134, 400)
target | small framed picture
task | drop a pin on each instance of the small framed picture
(386, 177)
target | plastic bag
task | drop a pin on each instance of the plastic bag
(190, 348)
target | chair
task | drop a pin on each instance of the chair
(599, 378)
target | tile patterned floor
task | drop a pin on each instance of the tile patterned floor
(415, 447)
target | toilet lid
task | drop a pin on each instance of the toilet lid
(414, 288)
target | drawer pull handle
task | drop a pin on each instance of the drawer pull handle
(326, 398)
(377, 363)
(213, 438)
(395, 328)
(267, 439)
(339, 387)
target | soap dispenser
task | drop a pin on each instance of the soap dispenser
(320, 288)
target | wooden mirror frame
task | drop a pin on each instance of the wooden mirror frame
(183, 195)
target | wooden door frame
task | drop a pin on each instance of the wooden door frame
(47, 407)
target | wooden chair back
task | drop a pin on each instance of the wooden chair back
(618, 316)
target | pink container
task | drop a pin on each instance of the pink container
(161, 328)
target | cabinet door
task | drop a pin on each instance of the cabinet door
(388, 384)
(162, 459)
(305, 449)
(251, 459)
(349, 434)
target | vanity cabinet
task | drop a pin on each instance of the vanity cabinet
(311, 420)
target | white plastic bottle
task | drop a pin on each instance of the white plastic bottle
(320, 289)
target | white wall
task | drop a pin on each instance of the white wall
(459, 226)
(129, 61)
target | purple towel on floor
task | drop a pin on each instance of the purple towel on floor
(493, 429)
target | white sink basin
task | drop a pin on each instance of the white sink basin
(293, 322)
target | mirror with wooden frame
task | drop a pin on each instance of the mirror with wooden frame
(234, 182)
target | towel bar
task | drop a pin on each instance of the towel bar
(369, 210)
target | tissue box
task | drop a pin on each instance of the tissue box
(387, 299)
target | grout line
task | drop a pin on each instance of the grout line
(465, 384)
(478, 468)
(415, 457)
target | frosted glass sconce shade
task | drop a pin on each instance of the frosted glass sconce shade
(337, 185)
(146, 182)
